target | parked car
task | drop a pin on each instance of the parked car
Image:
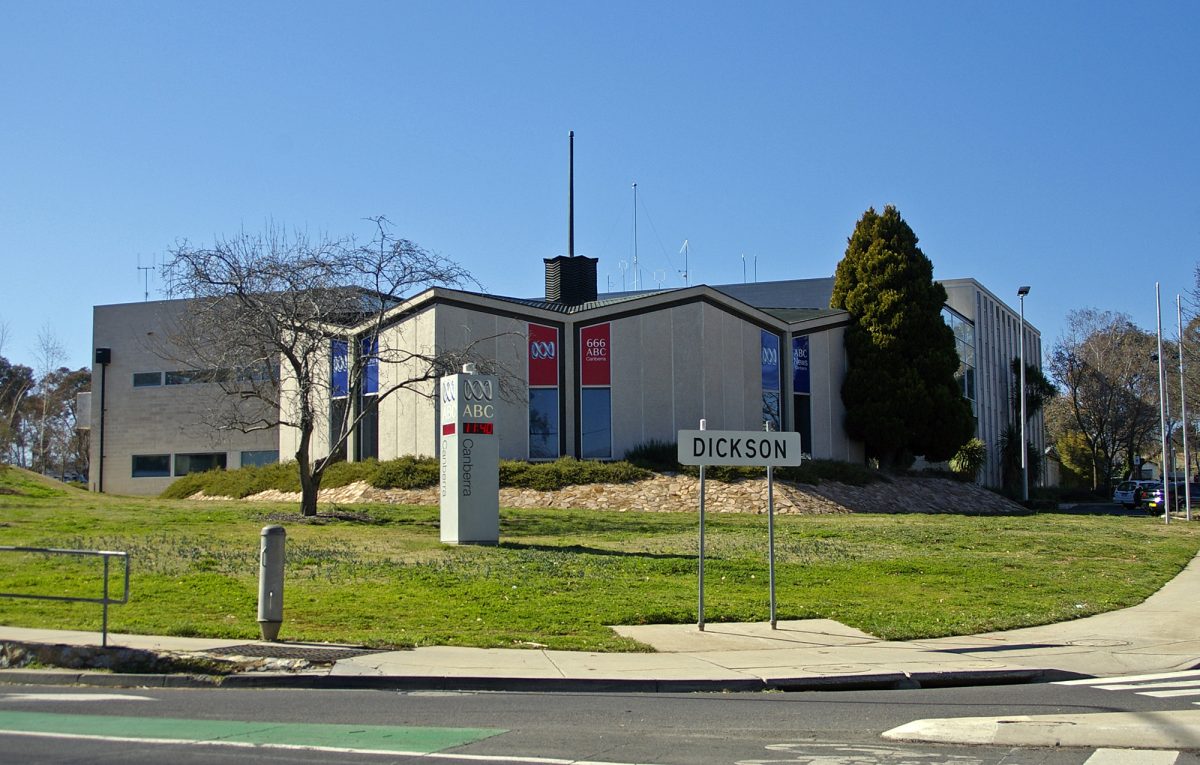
(1127, 493)
(1155, 502)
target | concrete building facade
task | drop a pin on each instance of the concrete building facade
(583, 375)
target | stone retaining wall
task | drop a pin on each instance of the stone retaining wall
(680, 493)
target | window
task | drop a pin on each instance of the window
(196, 376)
(151, 465)
(769, 346)
(337, 419)
(260, 458)
(366, 432)
(802, 421)
(543, 423)
(596, 414)
(964, 344)
(147, 379)
(199, 463)
(543, 392)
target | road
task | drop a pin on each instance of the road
(834, 728)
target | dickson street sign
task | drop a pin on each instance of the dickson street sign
(738, 447)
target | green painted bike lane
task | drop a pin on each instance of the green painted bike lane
(383, 738)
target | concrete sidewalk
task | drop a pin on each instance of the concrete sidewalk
(1162, 634)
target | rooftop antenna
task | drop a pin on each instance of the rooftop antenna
(659, 277)
(684, 250)
(635, 259)
(571, 199)
(145, 279)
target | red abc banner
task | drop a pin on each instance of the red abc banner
(543, 355)
(596, 356)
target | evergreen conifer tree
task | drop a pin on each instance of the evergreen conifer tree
(900, 392)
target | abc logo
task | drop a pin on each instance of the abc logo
(540, 350)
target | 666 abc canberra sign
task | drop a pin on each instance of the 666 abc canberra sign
(738, 447)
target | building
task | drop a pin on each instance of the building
(148, 415)
(590, 376)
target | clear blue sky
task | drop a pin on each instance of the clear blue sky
(1051, 144)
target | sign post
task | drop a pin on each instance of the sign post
(470, 459)
(739, 447)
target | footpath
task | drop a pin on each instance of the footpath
(1160, 635)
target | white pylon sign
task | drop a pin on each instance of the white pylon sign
(469, 459)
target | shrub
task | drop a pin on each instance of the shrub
(236, 483)
(659, 456)
(405, 473)
(346, 473)
(566, 471)
(969, 459)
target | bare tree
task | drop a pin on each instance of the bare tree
(268, 309)
(1104, 365)
(48, 355)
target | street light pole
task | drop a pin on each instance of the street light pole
(1162, 411)
(1183, 418)
(1021, 293)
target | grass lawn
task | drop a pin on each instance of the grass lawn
(377, 574)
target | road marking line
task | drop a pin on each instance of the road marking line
(1139, 686)
(1133, 678)
(315, 748)
(73, 697)
(1132, 757)
(1171, 694)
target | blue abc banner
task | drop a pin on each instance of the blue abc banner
(800, 369)
(770, 361)
(339, 369)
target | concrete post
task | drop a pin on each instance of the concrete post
(270, 581)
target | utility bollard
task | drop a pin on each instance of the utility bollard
(270, 581)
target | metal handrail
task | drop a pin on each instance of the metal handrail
(104, 599)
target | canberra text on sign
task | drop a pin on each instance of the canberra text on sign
(738, 447)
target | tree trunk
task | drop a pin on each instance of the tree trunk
(310, 478)
(309, 490)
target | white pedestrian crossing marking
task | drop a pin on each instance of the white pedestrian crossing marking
(1134, 678)
(1132, 757)
(72, 697)
(1162, 685)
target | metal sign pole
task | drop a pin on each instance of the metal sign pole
(771, 533)
(735, 447)
(104, 611)
(700, 622)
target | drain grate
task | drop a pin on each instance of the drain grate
(277, 651)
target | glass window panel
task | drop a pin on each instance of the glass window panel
(260, 458)
(802, 407)
(151, 465)
(199, 463)
(147, 379)
(367, 430)
(770, 413)
(543, 423)
(337, 415)
(596, 414)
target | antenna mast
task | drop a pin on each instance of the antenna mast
(635, 258)
(684, 250)
(145, 279)
(571, 200)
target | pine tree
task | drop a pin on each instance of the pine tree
(900, 391)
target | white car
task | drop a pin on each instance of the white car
(1126, 493)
